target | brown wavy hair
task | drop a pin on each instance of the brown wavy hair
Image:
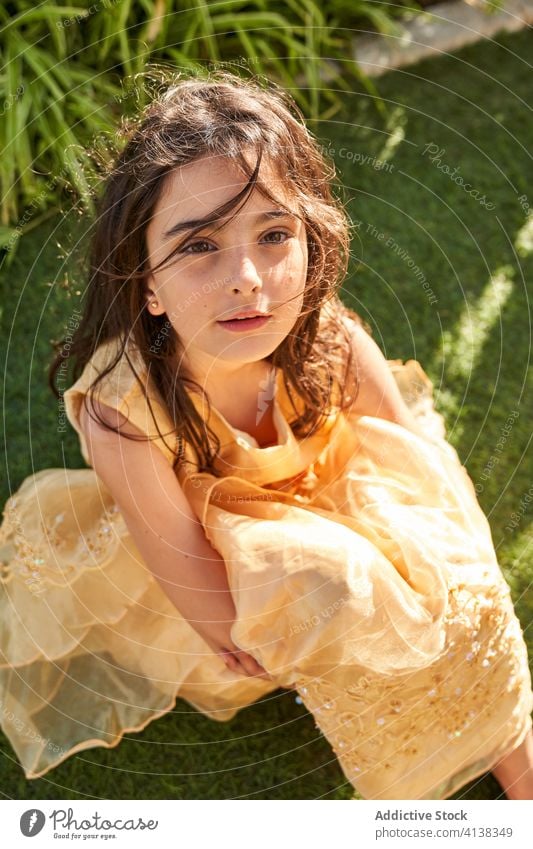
(193, 117)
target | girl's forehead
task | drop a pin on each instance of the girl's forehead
(221, 167)
(201, 186)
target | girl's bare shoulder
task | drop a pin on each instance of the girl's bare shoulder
(375, 390)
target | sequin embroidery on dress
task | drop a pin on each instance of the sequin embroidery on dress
(374, 723)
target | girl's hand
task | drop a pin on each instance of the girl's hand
(217, 636)
(239, 661)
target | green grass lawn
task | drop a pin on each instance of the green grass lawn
(442, 276)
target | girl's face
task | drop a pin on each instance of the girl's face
(256, 260)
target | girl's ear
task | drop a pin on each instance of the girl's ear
(154, 306)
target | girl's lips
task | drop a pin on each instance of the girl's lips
(241, 325)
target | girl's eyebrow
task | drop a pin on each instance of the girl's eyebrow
(183, 226)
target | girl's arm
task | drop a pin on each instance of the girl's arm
(166, 532)
(378, 394)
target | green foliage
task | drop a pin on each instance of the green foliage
(49, 110)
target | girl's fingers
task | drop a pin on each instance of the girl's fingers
(239, 661)
(229, 659)
(250, 665)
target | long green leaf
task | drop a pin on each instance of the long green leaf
(9, 192)
(23, 159)
(208, 29)
(44, 13)
(250, 20)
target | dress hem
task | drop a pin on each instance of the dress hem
(95, 742)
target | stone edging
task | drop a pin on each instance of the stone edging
(441, 28)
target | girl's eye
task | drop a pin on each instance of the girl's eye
(202, 243)
(278, 233)
(187, 248)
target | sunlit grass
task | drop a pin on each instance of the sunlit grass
(463, 346)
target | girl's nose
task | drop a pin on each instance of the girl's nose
(246, 278)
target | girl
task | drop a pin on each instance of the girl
(271, 503)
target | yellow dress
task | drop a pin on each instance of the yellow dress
(363, 573)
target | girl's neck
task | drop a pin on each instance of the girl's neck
(246, 402)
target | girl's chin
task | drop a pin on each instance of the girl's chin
(250, 355)
(237, 344)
